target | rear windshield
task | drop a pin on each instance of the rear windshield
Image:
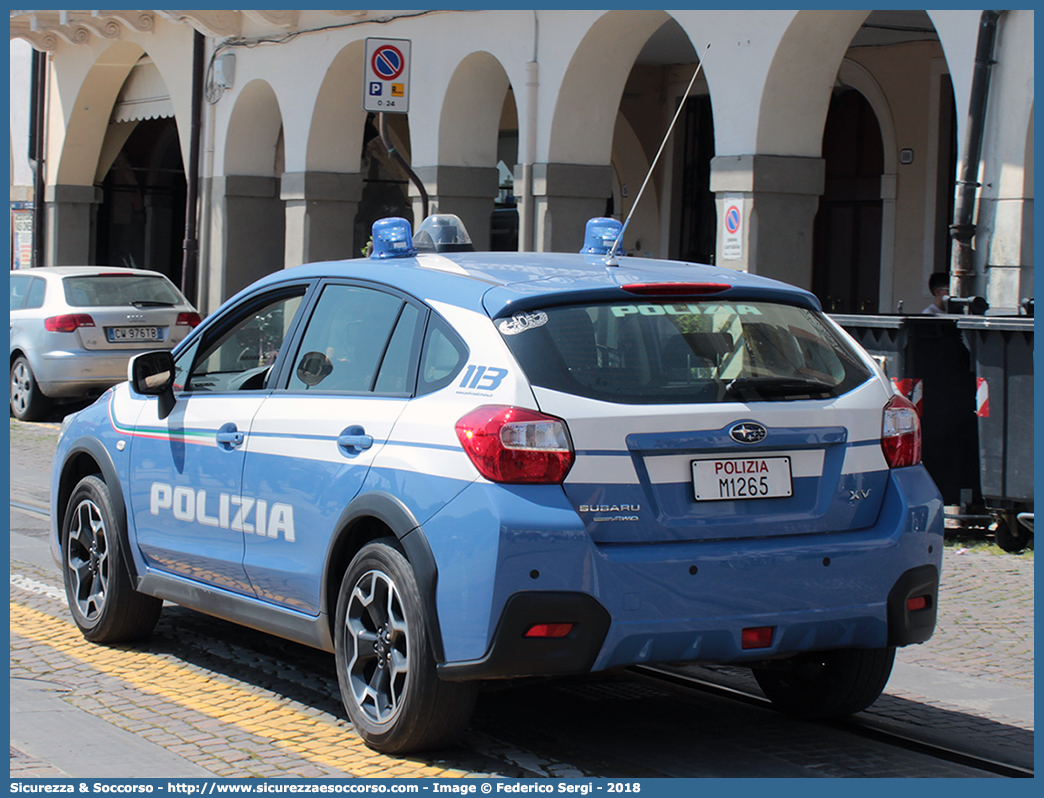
(102, 290)
(683, 352)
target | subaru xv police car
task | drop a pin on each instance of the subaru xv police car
(448, 467)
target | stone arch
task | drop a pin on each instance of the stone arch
(586, 106)
(796, 97)
(471, 112)
(88, 117)
(252, 230)
(335, 137)
(254, 132)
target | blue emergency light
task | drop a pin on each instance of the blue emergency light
(600, 236)
(392, 238)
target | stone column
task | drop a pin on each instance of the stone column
(320, 215)
(71, 224)
(247, 234)
(565, 196)
(775, 199)
(467, 191)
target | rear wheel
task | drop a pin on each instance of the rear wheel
(385, 667)
(27, 403)
(827, 684)
(104, 605)
(1009, 534)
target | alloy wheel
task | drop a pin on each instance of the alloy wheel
(88, 559)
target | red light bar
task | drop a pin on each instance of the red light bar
(917, 603)
(757, 637)
(549, 630)
(675, 289)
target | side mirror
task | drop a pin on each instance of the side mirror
(152, 374)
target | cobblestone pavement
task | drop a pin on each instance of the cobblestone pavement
(985, 621)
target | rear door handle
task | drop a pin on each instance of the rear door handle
(229, 437)
(354, 440)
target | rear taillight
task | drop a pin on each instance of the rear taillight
(511, 444)
(188, 319)
(68, 322)
(675, 289)
(901, 433)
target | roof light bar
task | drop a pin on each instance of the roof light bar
(600, 235)
(392, 238)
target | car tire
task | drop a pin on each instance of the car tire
(385, 665)
(27, 402)
(827, 684)
(1009, 534)
(104, 604)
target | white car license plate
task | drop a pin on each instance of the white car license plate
(133, 334)
(741, 478)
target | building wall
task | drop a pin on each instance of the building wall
(280, 161)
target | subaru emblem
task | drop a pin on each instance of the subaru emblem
(748, 432)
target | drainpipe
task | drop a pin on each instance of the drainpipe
(382, 127)
(190, 253)
(527, 219)
(962, 231)
(526, 233)
(37, 116)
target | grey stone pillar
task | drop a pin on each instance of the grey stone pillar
(565, 196)
(775, 199)
(320, 215)
(71, 224)
(248, 234)
(467, 191)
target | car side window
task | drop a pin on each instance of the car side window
(239, 353)
(358, 340)
(37, 289)
(442, 358)
(19, 289)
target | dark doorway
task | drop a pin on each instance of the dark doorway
(697, 224)
(141, 220)
(846, 256)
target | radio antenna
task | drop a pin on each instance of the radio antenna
(610, 259)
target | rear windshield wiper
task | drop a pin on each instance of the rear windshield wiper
(776, 388)
(151, 303)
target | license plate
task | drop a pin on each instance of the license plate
(133, 334)
(741, 478)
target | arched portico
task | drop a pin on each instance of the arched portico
(322, 201)
(465, 180)
(249, 232)
(71, 195)
(575, 180)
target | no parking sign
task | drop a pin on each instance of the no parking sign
(386, 76)
(732, 241)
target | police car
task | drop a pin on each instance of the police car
(448, 467)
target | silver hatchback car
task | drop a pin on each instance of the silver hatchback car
(73, 329)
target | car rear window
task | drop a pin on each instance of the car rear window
(683, 352)
(106, 290)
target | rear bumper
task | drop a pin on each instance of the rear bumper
(689, 602)
(76, 373)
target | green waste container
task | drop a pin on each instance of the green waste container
(1002, 356)
(928, 362)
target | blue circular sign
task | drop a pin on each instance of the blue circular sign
(387, 62)
(732, 220)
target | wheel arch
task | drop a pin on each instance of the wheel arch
(368, 517)
(87, 457)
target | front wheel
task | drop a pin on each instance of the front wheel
(827, 684)
(104, 604)
(385, 667)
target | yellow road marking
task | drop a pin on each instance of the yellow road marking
(321, 743)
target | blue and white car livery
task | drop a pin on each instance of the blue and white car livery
(448, 467)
